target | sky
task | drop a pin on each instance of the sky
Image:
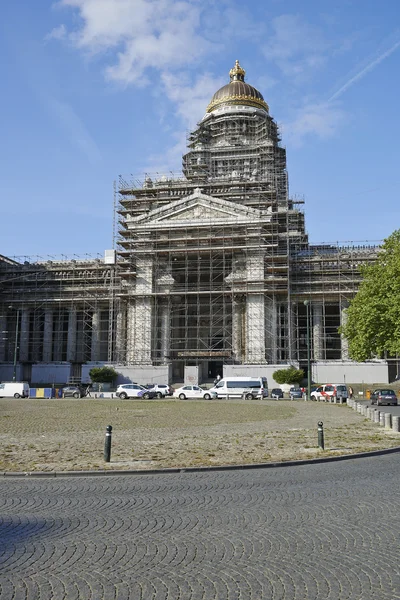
(97, 89)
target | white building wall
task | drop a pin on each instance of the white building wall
(351, 372)
(50, 373)
(140, 374)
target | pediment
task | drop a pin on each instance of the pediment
(199, 209)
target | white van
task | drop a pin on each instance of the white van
(330, 390)
(14, 389)
(252, 387)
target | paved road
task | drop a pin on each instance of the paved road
(395, 410)
(327, 531)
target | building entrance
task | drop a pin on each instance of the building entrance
(215, 367)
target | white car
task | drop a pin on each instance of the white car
(194, 391)
(133, 390)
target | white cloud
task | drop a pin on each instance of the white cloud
(159, 41)
(58, 33)
(151, 37)
(147, 34)
(295, 46)
(191, 99)
(321, 120)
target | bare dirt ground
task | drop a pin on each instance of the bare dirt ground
(69, 435)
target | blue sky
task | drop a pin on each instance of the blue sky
(92, 89)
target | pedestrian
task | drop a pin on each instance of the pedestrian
(217, 379)
(350, 391)
(87, 393)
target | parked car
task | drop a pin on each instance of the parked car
(277, 393)
(384, 396)
(134, 390)
(194, 391)
(16, 389)
(73, 391)
(330, 390)
(161, 389)
(295, 392)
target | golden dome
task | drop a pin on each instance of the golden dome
(237, 92)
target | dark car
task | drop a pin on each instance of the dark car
(295, 393)
(73, 391)
(384, 396)
(277, 393)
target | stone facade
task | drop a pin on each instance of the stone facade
(212, 269)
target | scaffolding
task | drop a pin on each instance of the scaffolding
(209, 267)
(223, 259)
(63, 307)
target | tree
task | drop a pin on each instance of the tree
(103, 374)
(372, 325)
(290, 375)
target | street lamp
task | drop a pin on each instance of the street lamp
(15, 344)
(307, 305)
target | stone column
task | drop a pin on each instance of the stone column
(130, 328)
(237, 328)
(165, 333)
(58, 335)
(141, 334)
(24, 336)
(343, 318)
(271, 322)
(292, 332)
(120, 339)
(318, 331)
(95, 348)
(255, 309)
(164, 283)
(4, 334)
(48, 335)
(71, 340)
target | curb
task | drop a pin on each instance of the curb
(180, 470)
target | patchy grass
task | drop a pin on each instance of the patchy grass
(50, 435)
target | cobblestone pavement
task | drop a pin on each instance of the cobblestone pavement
(322, 531)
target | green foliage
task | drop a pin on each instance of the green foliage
(103, 374)
(289, 375)
(372, 325)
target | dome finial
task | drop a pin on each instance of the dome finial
(237, 73)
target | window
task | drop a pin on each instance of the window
(243, 384)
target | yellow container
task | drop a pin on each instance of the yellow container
(368, 394)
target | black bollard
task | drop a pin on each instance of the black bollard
(107, 444)
(321, 435)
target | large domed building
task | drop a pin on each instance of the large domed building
(212, 273)
(237, 92)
